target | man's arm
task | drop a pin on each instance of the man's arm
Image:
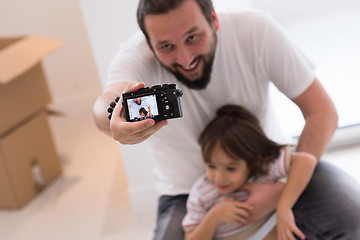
(320, 119)
(102, 103)
(228, 211)
(122, 131)
(263, 197)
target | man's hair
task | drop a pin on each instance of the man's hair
(146, 7)
(239, 134)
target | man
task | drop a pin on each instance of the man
(216, 60)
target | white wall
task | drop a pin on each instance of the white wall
(108, 23)
(327, 31)
(71, 69)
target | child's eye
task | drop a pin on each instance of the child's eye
(231, 169)
(211, 166)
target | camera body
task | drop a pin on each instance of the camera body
(158, 102)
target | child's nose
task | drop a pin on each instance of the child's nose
(220, 178)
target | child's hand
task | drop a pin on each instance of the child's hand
(231, 211)
(286, 226)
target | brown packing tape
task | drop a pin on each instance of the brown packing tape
(53, 112)
(5, 42)
(49, 112)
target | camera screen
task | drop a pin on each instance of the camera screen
(143, 107)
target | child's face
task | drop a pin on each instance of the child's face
(142, 115)
(226, 174)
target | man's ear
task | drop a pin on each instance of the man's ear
(148, 44)
(215, 20)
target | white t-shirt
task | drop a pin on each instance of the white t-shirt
(252, 51)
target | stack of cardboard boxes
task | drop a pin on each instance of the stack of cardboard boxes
(28, 159)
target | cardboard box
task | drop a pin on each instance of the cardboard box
(23, 86)
(28, 161)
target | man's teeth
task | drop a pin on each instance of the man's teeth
(192, 66)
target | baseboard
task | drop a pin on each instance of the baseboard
(346, 135)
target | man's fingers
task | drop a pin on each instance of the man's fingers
(133, 128)
(151, 131)
(132, 87)
(244, 205)
(132, 132)
(145, 134)
(240, 220)
(243, 213)
(133, 135)
(118, 115)
(227, 199)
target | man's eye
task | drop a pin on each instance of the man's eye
(166, 47)
(193, 38)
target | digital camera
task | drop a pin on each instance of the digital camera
(158, 102)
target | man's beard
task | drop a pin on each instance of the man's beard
(204, 80)
(199, 83)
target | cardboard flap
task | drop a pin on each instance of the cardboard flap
(24, 54)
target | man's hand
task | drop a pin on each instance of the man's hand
(263, 197)
(231, 211)
(132, 132)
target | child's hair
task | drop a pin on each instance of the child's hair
(239, 134)
(142, 110)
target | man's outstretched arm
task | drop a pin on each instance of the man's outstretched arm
(122, 131)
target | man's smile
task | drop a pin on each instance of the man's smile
(190, 70)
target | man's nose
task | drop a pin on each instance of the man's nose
(184, 57)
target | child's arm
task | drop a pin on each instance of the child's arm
(301, 169)
(227, 211)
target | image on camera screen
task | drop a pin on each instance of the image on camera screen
(143, 107)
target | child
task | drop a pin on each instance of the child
(145, 114)
(236, 151)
